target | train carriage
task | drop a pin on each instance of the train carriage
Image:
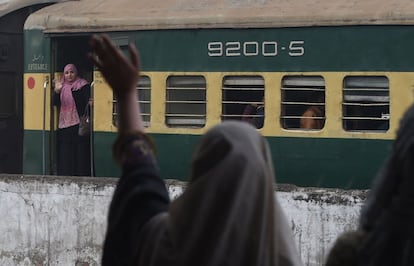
(204, 62)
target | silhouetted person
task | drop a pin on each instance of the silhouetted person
(228, 215)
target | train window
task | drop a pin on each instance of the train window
(303, 102)
(366, 103)
(186, 101)
(243, 99)
(144, 99)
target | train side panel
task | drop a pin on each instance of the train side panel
(335, 156)
(36, 104)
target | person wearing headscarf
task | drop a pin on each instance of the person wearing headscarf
(313, 117)
(254, 114)
(228, 214)
(345, 250)
(388, 213)
(72, 95)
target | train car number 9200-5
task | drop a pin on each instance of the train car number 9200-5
(254, 48)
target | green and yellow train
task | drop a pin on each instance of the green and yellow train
(203, 62)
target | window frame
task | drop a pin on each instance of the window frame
(365, 93)
(240, 92)
(181, 112)
(312, 92)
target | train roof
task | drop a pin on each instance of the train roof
(120, 15)
(8, 6)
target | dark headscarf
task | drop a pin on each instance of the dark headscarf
(388, 215)
(229, 214)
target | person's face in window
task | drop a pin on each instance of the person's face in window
(70, 75)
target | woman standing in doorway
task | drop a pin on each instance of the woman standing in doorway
(72, 95)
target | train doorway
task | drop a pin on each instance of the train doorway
(69, 49)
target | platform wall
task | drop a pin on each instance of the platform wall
(49, 220)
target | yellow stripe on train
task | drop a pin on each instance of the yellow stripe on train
(401, 86)
(36, 101)
(401, 94)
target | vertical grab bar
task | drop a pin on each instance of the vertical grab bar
(45, 83)
(91, 144)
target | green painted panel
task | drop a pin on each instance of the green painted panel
(36, 52)
(173, 154)
(342, 163)
(339, 163)
(105, 166)
(351, 48)
(315, 162)
(33, 153)
(345, 48)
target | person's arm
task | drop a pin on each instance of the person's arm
(140, 193)
(56, 95)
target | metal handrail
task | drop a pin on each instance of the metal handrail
(45, 83)
(91, 144)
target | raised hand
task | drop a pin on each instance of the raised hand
(122, 75)
(58, 86)
(120, 72)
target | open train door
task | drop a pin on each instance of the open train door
(70, 49)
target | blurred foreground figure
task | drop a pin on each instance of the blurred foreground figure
(228, 214)
(388, 215)
(384, 236)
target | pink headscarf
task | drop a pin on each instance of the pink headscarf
(77, 83)
(68, 115)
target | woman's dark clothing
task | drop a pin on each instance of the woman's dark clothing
(73, 151)
(228, 214)
(140, 195)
